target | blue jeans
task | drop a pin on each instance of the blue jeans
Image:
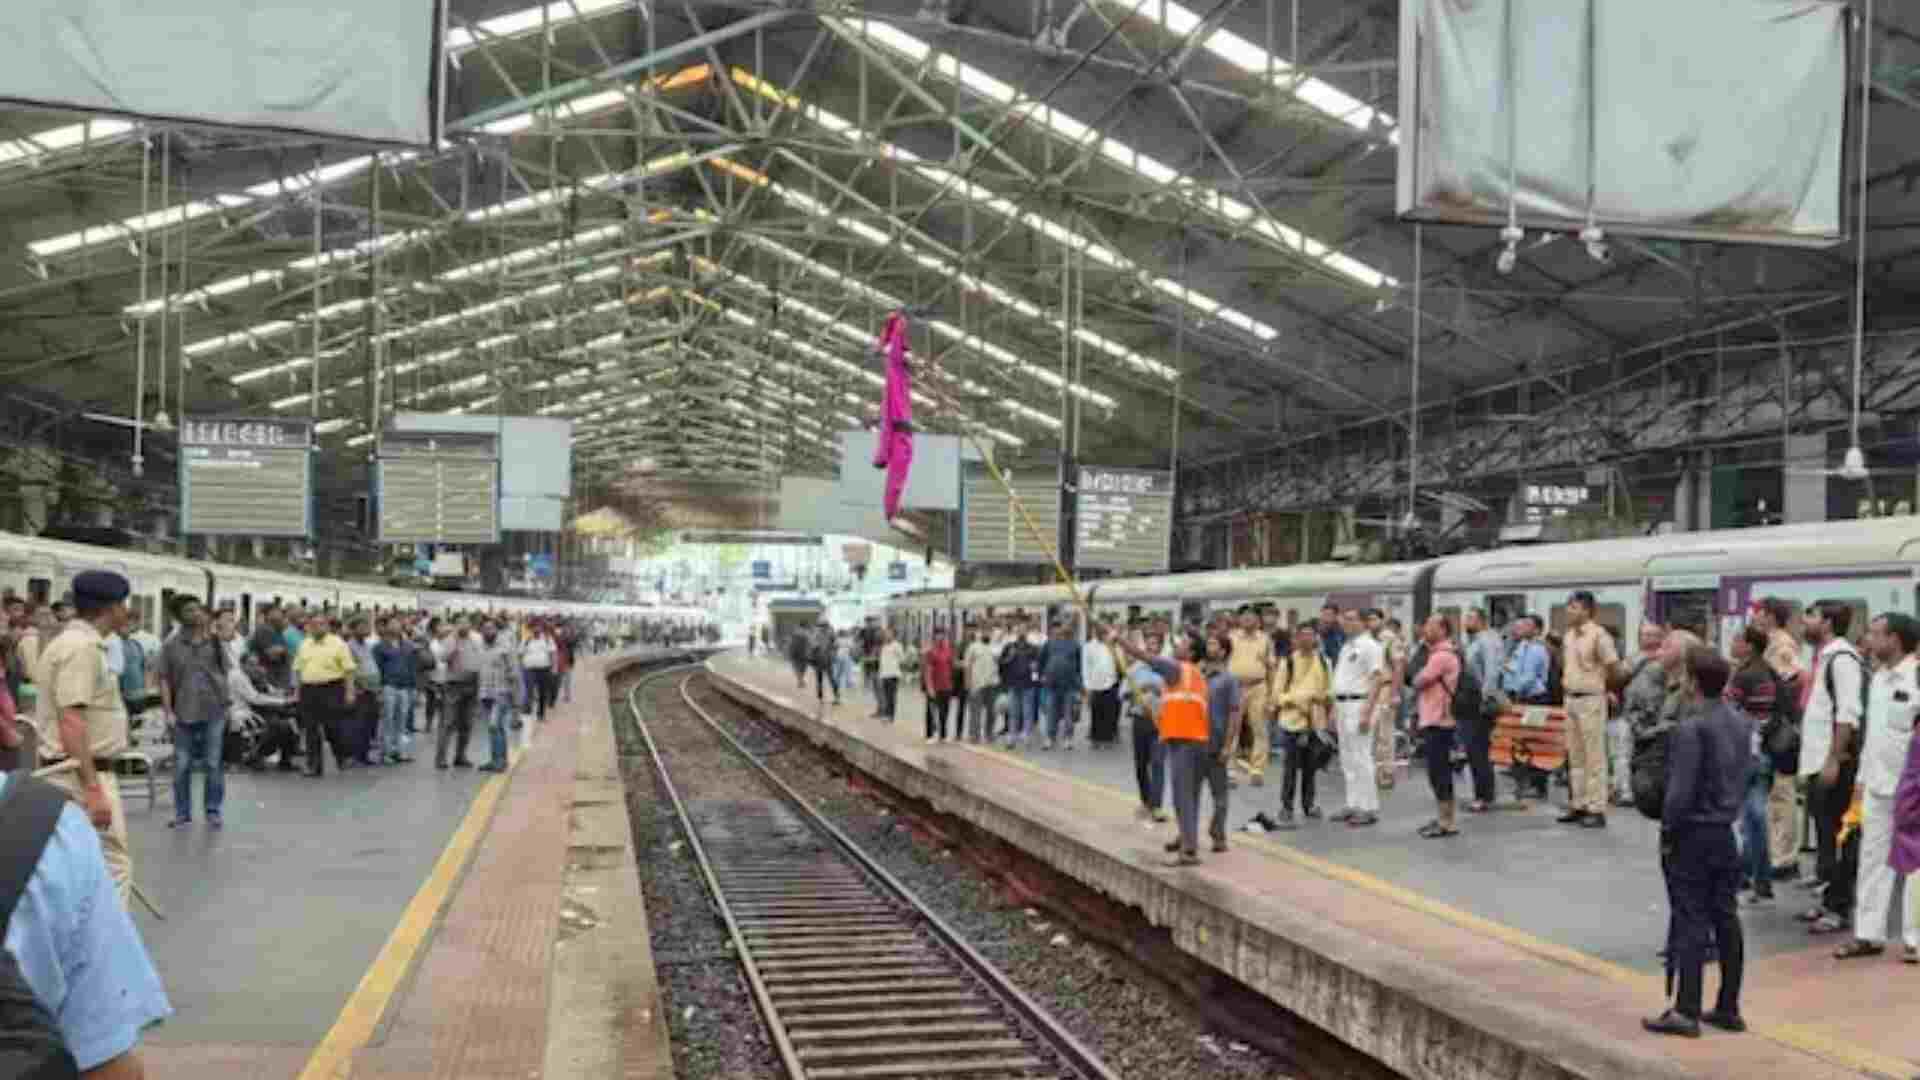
(499, 714)
(396, 708)
(1023, 708)
(1754, 860)
(199, 744)
(1057, 705)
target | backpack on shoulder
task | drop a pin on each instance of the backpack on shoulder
(31, 1044)
(1647, 770)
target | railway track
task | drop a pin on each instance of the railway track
(854, 977)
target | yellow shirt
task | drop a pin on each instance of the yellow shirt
(326, 661)
(1589, 657)
(1302, 686)
(72, 674)
(1251, 655)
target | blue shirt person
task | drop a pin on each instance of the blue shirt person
(1524, 676)
(79, 951)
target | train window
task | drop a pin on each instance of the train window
(166, 613)
(39, 590)
(1611, 617)
(1690, 609)
(1503, 608)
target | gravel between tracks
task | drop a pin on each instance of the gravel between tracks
(1136, 1027)
(716, 1031)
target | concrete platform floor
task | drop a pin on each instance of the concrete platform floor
(1529, 891)
(400, 921)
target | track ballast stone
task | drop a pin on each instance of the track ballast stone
(1136, 1027)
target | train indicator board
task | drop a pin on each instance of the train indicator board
(246, 476)
(1123, 520)
(992, 530)
(438, 488)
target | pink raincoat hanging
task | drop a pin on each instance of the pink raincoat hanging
(894, 449)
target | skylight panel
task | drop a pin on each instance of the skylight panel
(528, 20)
(1317, 93)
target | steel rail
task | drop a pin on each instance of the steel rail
(871, 882)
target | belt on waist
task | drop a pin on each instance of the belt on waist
(1584, 693)
(1351, 697)
(100, 763)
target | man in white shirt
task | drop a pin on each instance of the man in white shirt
(1100, 678)
(1359, 677)
(1892, 701)
(1831, 703)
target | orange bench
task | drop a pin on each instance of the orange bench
(1532, 737)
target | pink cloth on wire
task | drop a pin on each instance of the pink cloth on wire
(894, 449)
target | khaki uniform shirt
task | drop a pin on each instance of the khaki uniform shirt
(1252, 653)
(1588, 658)
(72, 673)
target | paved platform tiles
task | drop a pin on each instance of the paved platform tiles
(1528, 941)
(403, 921)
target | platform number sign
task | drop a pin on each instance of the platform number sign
(438, 488)
(246, 476)
(1123, 519)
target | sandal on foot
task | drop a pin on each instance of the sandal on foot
(1857, 948)
(1436, 831)
(1478, 807)
(1827, 924)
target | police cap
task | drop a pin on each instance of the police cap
(95, 589)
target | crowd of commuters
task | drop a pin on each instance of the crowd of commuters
(1796, 733)
(81, 986)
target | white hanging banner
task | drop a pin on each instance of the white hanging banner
(366, 70)
(1703, 119)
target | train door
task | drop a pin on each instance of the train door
(1691, 602)
(1503, 608)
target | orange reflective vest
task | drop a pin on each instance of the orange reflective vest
(1183, 708)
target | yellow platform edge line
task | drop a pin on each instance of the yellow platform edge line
(1799, 1037)
(332, 1059)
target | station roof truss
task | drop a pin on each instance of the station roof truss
(1144, 231)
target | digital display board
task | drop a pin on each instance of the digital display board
(438, 488)
(1123, 520)
(994, 531)
(246, 476)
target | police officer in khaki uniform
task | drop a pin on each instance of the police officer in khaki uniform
(81, 717)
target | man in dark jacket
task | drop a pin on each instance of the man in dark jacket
(1020, 674)
(1060, 689)
(1707, 758)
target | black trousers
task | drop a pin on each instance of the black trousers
(323, 709)
(1476, 738)
(1702, 868)
(938, 704)
(1104, 710)
(1438, 746)
(1149, 763)
(824, 677)
(456, 721)
(365, 723)
(889, 696)
(546, 686)
(1296, 750)
(1828, 805)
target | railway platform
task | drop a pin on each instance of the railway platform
(408, 922)
(1520, 949)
